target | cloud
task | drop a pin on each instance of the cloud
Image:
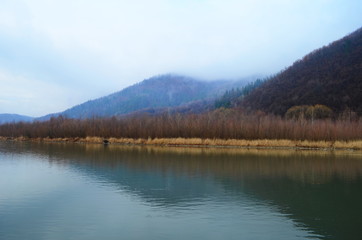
(98, 47)
(32, 97)
(160, 36)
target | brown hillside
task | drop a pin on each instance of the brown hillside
(331, 75)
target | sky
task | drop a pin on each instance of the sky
(55, 54)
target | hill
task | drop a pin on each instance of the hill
(331, 75)
(153, 94)
(8, 118)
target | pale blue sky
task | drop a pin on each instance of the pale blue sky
(58, 53)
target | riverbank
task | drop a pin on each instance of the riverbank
(198, 142)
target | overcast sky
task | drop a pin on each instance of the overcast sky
(58, 53)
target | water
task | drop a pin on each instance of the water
(75, 191)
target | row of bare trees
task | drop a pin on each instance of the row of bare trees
(222, 123)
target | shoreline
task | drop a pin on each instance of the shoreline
(206, 143)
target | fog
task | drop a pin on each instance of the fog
(56, 54)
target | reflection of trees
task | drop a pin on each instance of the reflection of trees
(303, 166)
(319, 190)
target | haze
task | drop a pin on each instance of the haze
(56, 54)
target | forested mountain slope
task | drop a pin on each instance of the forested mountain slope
(157, 92)
(8, 118)
(331, 75)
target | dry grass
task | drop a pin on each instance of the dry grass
(348, 144)
(263, 143)
(92, 140)
(198, 142)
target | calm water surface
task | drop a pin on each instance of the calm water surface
(58, 191)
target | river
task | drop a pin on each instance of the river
(88, 191)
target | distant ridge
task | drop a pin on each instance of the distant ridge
(8, 118)
(331, 75)
(152, 94)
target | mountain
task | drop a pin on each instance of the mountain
(7, 118)
(194, 107)
(331, 75)
(153, 94)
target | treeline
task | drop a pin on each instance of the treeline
(317, 111)
(221, 124)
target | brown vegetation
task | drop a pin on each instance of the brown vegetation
(309, 112)
(330, 76)
(223, 127)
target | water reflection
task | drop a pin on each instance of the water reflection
(319, 192)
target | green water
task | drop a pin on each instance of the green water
(75, 191)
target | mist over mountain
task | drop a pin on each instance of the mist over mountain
(153, 95)
(331, 75)
(8, 118)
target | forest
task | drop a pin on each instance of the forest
(330, 76)
(218, 124)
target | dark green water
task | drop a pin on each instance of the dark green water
(57, 191)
